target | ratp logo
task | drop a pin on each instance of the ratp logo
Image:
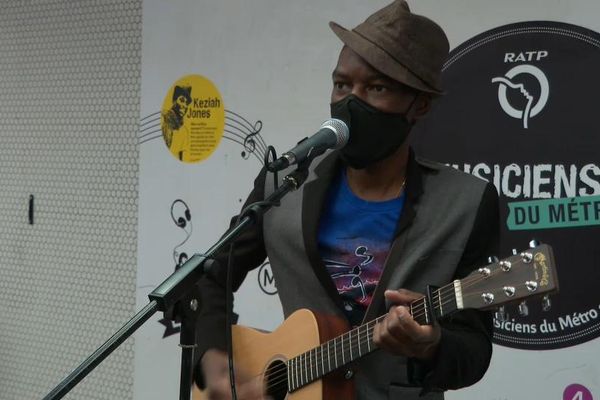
(533, 106)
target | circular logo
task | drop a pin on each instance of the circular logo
(266, 280)
(192, 119)
(577, 392)
(531, 109)
(520, 112)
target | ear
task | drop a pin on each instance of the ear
(422, 105)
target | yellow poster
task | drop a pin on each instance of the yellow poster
(192, 119)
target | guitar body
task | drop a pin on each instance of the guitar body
(259, 354)
(256, 353)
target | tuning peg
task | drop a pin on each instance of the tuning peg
(492, 259)
(533, 243)
(501, 314)
(515, 252)
(523, 309)
(546, 303)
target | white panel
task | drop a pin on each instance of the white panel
(69, 96)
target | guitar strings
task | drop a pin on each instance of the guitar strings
(313, 359)
(283, 373)
(299, 373)
(443, 294)
(278, 374)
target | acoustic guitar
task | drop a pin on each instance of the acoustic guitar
(304, 358)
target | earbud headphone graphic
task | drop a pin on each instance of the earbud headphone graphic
(179, 220)
(184, 222)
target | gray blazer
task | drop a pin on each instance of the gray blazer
(449, 225)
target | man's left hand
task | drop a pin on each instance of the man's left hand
(400, 334)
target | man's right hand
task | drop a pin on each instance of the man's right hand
(216, 376)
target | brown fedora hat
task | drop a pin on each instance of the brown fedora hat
(406, 47)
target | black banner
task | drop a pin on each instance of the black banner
(521, 112)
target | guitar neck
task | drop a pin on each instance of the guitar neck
(358, 342)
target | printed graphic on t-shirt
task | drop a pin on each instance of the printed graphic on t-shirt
(355, 272)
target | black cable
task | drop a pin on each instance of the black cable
(229, 317)
(271, 156)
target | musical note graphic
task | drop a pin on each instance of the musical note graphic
(237, 129)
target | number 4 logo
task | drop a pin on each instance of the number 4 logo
(577, 392)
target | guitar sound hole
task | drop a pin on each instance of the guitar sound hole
(276, 380)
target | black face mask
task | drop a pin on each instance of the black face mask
(374, 134)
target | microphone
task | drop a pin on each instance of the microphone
(333, 134)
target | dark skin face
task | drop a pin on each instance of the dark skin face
(353, 75)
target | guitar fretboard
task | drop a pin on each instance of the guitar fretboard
(358, 342)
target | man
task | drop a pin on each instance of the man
(373, 225)
(175, 134)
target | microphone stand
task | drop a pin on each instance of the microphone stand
(176, 298)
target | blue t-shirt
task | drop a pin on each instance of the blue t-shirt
(354, 240)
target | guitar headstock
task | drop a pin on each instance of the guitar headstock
(531, 272)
